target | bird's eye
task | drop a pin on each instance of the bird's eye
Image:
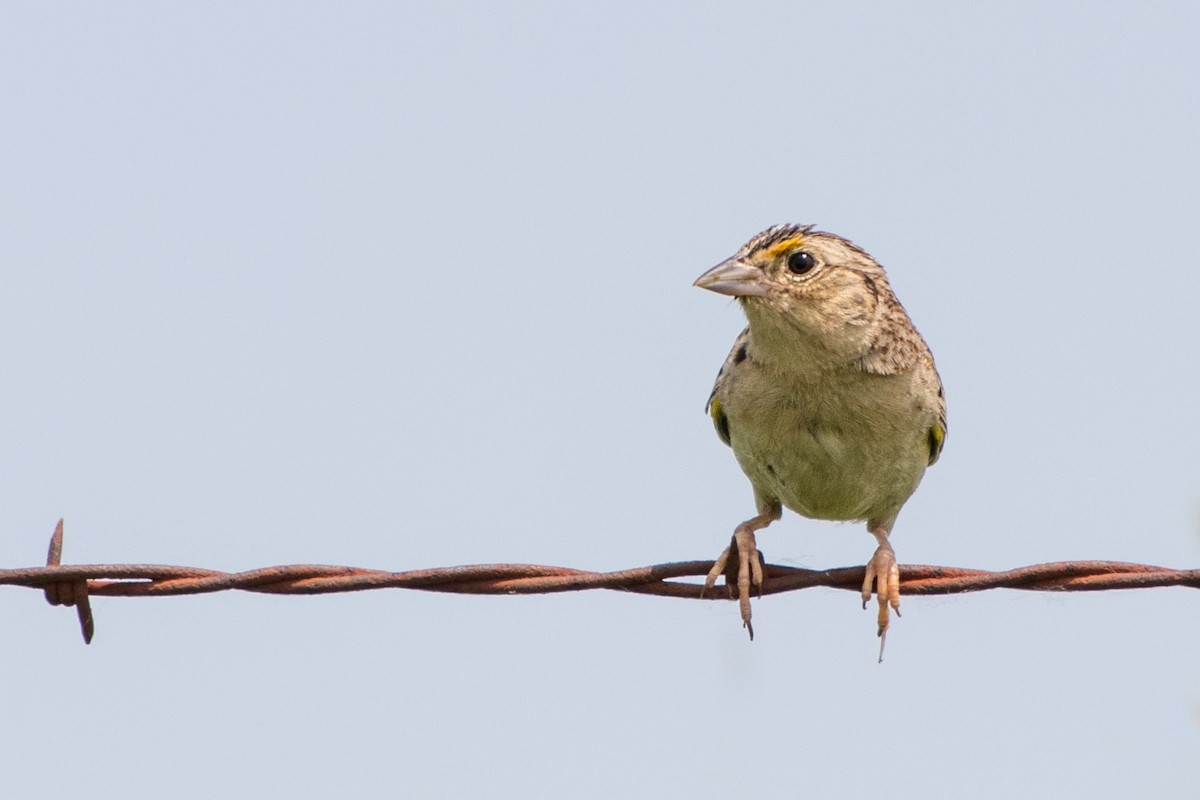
(801, 262)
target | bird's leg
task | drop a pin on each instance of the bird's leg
(884, 575)
(741, 563)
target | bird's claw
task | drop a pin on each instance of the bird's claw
(883, 575)
(742, 565)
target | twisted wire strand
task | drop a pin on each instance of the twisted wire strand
(72, 585)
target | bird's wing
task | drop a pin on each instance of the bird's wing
(736, 356)
(937, 432)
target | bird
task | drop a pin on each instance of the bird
(829, 399)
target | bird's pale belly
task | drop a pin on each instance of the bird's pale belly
(855, 470)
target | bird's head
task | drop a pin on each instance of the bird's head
(797, 282)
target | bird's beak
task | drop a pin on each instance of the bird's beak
(733, 278)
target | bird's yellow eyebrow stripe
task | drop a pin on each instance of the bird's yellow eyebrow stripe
(786, 246)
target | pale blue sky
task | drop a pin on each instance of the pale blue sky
(405, 286)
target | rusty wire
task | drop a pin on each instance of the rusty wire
(72, 585)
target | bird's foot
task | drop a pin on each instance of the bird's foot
(742, 566)
(883, 575)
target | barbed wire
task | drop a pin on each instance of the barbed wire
(72, 585)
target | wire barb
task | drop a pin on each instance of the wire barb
(69, 592)
(72, 585)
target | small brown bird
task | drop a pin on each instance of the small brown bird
(830, 398)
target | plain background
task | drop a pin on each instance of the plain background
(406, 286)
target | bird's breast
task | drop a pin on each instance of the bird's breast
(840, 448)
